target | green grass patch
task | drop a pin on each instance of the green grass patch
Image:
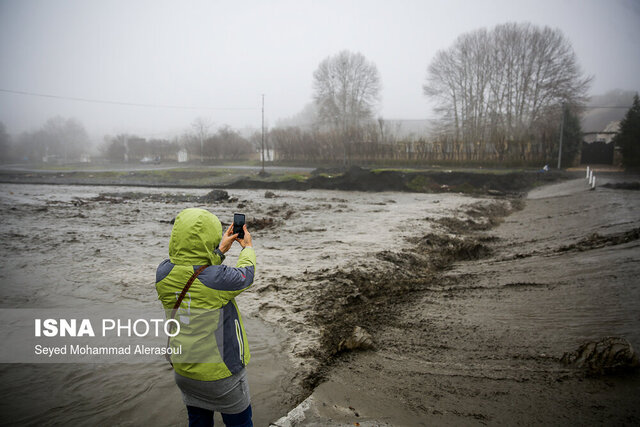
(422, 184)
(299, 177)
(466, 188)
(404, 170)
(330, 175)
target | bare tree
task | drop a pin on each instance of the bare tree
(201, 128)
(346, 90)
(59, 139)
(500, 89)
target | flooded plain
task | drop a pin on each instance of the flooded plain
(467, 304)
(484, 339)
(77, 246)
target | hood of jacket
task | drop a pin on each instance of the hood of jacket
(195, 235)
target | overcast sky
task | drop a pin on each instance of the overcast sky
(219, 57)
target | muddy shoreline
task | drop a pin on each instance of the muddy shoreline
(398, 308)
(497, 296)
(367, 297)
(354, 179)
(358, 179)
(122, 233)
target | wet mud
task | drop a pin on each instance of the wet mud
(369, 296)
(493, 183)
(595, 240)
(623, 185)
(392, 308)
(607, 356)
(507, 321)
(359, 179)
(489, 337)
(73, 246)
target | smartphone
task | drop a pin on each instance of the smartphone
(238, 223)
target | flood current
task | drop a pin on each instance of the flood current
(66, 247)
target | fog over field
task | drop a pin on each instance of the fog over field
(152, 67)
(443, 204)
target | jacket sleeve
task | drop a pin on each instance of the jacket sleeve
(247, 257)
(231, 281)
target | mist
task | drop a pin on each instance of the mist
(151, 68)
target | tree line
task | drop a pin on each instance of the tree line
(58, 139)
(224, 144)
(501, 95)
(65, 140)
(508, 94)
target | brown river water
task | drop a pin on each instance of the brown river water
(63, 248)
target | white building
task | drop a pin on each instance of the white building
(183, 156)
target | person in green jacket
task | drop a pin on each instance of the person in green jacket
(214, 351)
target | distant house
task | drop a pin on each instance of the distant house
(598, 147)
(268, 155)
(183, 156)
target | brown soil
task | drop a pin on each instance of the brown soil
(358, 179)
(471, 325)
(354, 179)
(469, 317)
(623, 186)
(369, 296)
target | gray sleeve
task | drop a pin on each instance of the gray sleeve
(163, 270)
(224, 278)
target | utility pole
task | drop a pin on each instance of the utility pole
(126, 149)
(263, 172)
(561, 132)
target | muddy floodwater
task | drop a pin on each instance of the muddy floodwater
(482, 338)
(78, 246)
(378, 308)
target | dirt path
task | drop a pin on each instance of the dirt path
(480, 341)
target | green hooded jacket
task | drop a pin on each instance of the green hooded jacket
(212, 343)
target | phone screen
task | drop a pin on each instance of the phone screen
(238, 222)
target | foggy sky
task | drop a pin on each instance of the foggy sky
(225, 55)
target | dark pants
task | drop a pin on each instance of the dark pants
(199, 417)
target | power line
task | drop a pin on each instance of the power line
(129, 104)
(613, 106)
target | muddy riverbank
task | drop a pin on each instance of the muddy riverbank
(462, 306)
(481, 340)
(358, 179)
(80, 246)
(479, 182)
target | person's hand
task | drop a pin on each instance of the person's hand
(246, 242)
(227, 240)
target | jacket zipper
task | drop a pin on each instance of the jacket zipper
(240, 341)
